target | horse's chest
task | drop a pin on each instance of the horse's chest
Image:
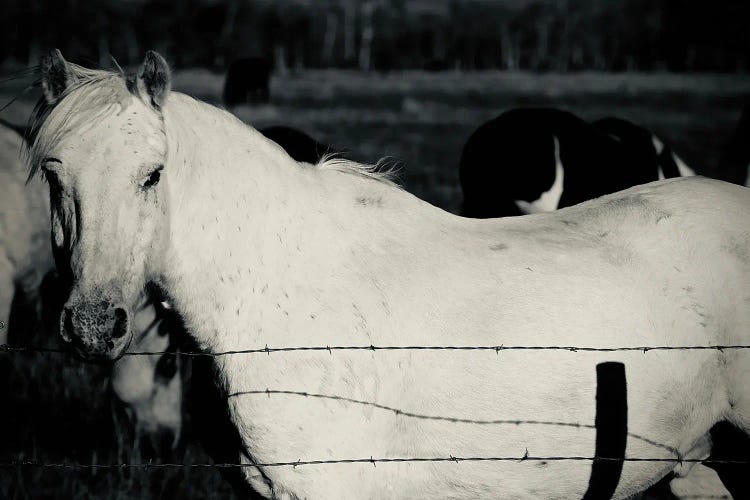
(298, 406)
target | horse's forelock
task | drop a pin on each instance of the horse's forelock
(90, 95)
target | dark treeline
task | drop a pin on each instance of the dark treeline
(546, 35)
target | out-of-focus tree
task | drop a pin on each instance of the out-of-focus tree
(368, 33)
(331, 33)
(539, 35)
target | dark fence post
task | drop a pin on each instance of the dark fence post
(611, 430)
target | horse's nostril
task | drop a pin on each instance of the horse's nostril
(121, 323)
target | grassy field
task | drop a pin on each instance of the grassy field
(59, 410)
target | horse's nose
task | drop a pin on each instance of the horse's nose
(98, 330)
(120, 326)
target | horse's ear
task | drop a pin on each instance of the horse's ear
(56, 75)
(154, 79)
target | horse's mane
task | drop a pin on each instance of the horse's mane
(383, 171)
(94, 92)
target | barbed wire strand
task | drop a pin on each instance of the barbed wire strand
(371, 460)
(404, 413)
(497, 348)
(705, 497)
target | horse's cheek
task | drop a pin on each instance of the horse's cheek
(159, 231)
(144, 234)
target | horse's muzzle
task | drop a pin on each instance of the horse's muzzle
(98, 329)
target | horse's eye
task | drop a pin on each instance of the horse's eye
(153, 178)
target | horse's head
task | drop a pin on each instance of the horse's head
(99, 139)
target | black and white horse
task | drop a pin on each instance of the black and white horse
(648, 146)
(530, 160)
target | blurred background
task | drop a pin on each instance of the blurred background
(404, 79)
(411, 79)
(386, 35)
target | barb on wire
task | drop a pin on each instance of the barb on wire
(404, 413)
(368, 460)
(496, 348)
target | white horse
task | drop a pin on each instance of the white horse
(25, 253)
(150, 185)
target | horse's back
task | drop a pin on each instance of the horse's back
(684, 242)
(702, 214)
(718, 206)
(693, 196)
(691, 230)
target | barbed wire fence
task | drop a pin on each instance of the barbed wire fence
(606, 463)
(526, 457)
(331, 349)
(370, 460)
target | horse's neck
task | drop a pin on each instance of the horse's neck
(213, 153)
(259, 239)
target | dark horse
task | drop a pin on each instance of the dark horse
(248, 81)
(649, 148)
(539, 159)
(736, 158)
(297, 144)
